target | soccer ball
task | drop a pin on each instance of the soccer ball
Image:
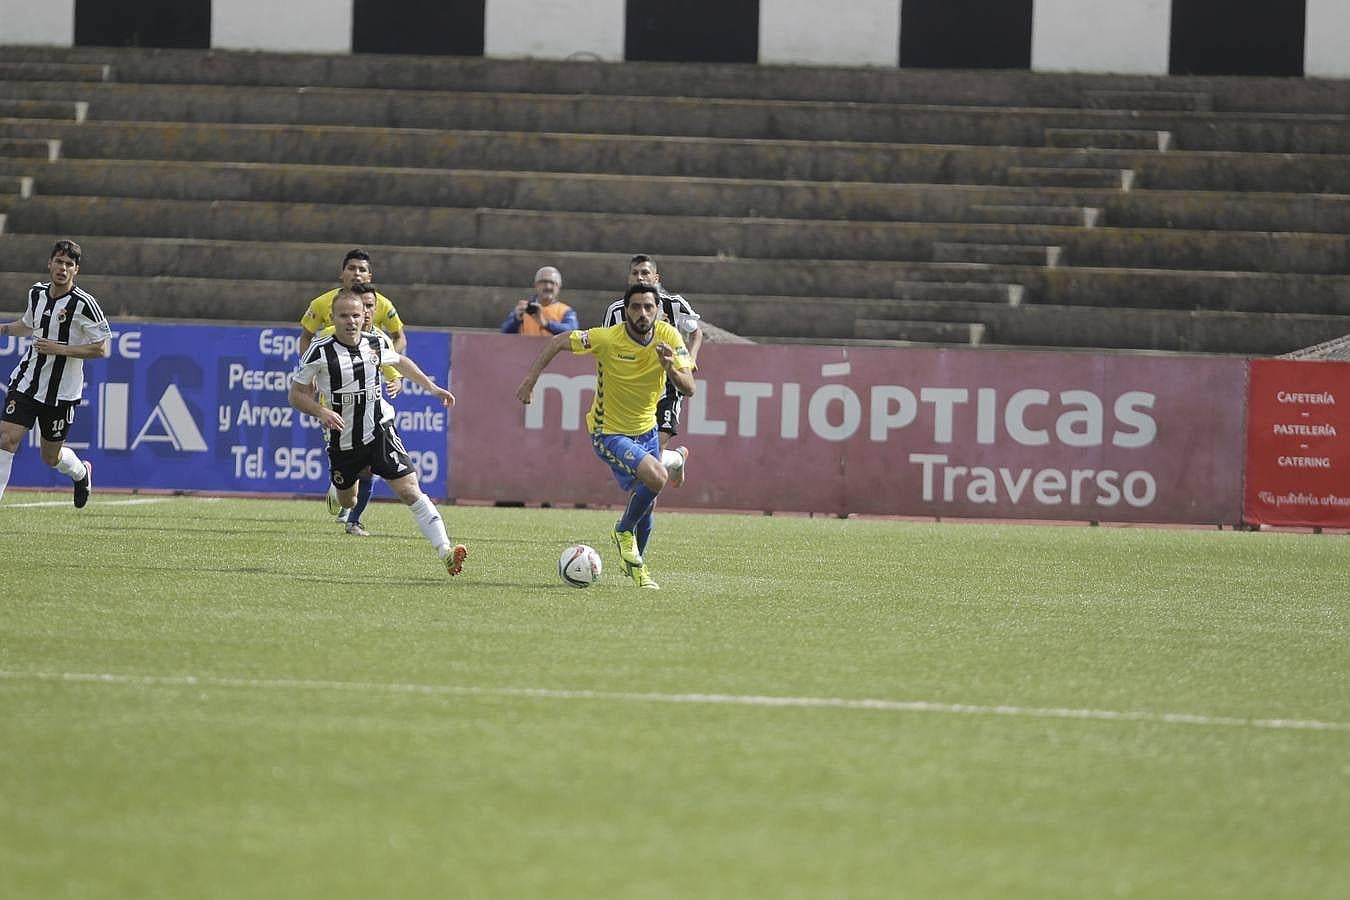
(580, 566)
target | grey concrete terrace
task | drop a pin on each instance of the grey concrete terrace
(819, 204)
(29, 108)
(473, 306)
(690, 157)
(752, 238)
(454, 268)
(599, 192)
(35, 70)
(683, 116)
(835, 84)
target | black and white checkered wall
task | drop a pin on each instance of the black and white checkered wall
(1249, 37)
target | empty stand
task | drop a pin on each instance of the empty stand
(789, 204)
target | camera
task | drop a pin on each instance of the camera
(532, 307)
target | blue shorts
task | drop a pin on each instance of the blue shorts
(623, 454)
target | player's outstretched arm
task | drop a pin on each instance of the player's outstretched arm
(15, 329)
(554, 346)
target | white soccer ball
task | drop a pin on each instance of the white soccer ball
(580, 566)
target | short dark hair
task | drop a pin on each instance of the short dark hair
(641, 288)
(355, 253)
(363, 287)
(67, 247)
(642, 258)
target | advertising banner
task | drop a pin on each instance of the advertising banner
(204, 408)
(1298, 444)
(986, 434)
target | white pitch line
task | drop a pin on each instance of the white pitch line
(134, 501)
(914, 706)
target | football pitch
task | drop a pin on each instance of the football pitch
(204, 698)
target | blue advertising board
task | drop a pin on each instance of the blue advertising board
(204, 408)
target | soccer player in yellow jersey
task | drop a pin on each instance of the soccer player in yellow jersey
(356, 269)
(633, 361)
(351, 519)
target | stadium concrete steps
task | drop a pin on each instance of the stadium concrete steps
(835, 84)
(726, 237)
(1238, 211)
(20, 186)
(1187, 101)
(765, 317)
(689, 157)
(911, 331)
(75, 110)
(725, 117)
(599, 192)
(1132, 290)
(1109, 138)
(1038, 326)
(584, 160)
(961, 292)
(1038, 214)
(998, 254)
(30, 148)
(46, 71)
(1072, 177)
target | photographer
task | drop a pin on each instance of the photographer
(542, 312)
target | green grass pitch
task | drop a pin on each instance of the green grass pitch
(233, 699)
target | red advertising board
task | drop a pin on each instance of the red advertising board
(1298, 444)
(966, 433)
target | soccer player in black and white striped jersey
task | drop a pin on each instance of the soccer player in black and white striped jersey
(679, 312)
(345, 369)
(45, 387)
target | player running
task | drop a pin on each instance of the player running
(633, 363)
(356, 269)
(45, 388)
(679, 312)
(350, 519)
(344, 368)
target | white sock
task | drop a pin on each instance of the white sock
(6, 466)
(69, 464)
(428, 519)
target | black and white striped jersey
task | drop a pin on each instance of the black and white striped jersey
(350, 383)
(73, 318)
(674, 309)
